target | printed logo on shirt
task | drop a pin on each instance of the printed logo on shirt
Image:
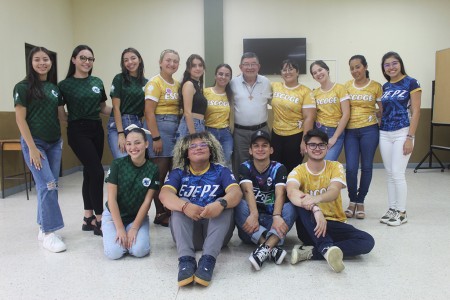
(269, 181)
(112, 88)
(169, 95)
(109, 172)
(17, 96)
(290, 98)
(150, 88)
(96, 90)
(361, 97)
(146, 182)
(218, 103)
(327, 100)
(189, 191)
(55, 93)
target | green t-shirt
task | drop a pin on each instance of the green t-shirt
(132, 185)
(83, 97)
(42, 114)
(131, 95)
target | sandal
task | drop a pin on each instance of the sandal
(360, 213)
(162, 219)
(88, 226)
(350, 211)
(98, 228)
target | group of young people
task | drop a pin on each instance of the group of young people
(161, 128)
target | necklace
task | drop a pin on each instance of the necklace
(250, 91)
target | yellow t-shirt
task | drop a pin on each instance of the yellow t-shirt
(316, 184)
(218, 111)
(287, 105)
(363, 103)
(329, 104)
(166, 94)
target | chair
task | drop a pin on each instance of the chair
(13, 145)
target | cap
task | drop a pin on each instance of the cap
(260, 134)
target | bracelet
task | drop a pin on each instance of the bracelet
(120, 132)
(156, 138)
(410, 137)
(316, 210)
(276, 215)
(184, 206)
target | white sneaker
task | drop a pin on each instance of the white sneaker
(53, 243)
(334, 258)
(41, 235)
(301, 253)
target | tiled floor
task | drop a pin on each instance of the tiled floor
(408, 262)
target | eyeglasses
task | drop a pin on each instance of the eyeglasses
(252, 65)
(313, 146)
(84, 59)
(394, 64)
(199, 145)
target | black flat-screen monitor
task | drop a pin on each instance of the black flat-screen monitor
(272, 51)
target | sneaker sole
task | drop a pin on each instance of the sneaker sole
(280, 260)
(294, 254)
(201, 281)
(254, 263)
(384, 221)
(335, 260)
(396, 224)
(186, 281)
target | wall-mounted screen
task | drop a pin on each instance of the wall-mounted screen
(272, 51)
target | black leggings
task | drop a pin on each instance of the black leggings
(286, 150)
(86, 138)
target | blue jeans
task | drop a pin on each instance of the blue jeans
(350, 240)
(225, 138)
(199, 126)
(127, 120)
(49, 215)
(241, 213)
(167, 126)
(113, 250)
(360, 142)
(334, 152)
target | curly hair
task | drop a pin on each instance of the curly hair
(180, 151)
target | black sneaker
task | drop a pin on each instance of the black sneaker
(277, 254)
(205, 270)
(186, 269)
(259, 256)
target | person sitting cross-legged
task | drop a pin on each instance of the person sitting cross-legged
(200, 192)
(315, 188)
(263, 218)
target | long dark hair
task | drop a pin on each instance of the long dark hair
(35, 90)
(140, 71)
(75, 52)
(187, 76)
(144, 136)
(228, 90)
(363, 61)
(396, 56)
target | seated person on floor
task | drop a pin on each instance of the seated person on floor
(263, 218)
(201, 193)
(315, 188)
(132, 181)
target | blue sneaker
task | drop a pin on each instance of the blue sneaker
(205, 270)
(186, 269)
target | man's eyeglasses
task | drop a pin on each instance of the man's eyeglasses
(247, 65)
(84, 59)
(199, 145)
(313, 146)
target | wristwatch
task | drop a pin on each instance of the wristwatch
(223, 202)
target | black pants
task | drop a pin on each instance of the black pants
(86, 138)
(286, 150)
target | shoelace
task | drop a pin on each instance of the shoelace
(262, 253)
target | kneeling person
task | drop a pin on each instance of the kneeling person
(315, 188)
(132, 181)
(200, 192)
(264, 218)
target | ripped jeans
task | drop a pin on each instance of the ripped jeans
(49, 215)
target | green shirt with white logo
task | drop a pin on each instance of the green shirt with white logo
(83, 97)
(42, 114)
(132, 185)
(131, 95)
